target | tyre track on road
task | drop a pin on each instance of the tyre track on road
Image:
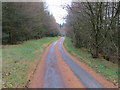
(58, 69)
(70, 80)
(52, 76)
(86, 79)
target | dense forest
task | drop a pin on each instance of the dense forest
(91, 25)
(25, 21)
(95, 26)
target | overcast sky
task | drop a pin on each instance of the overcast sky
(55, 7)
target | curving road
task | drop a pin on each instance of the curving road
(52, 77)
(54, 73)
(87, 80)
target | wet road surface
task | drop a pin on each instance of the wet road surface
(87, 80)
(53, 79)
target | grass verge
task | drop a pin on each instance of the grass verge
(17, 61)
(104, 67)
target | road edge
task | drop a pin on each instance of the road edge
(90, 71)
(39, 72)
(69, 80)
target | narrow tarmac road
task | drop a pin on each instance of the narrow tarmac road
(52, 76)
(59, 70)
(83, 76)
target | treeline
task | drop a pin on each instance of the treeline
(95, 26)
(23, 21)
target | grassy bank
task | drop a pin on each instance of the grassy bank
(105, 68)
(18, 60)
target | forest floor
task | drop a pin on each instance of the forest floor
(19, 61)
(59, 69)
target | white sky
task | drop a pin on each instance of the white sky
(55, 8)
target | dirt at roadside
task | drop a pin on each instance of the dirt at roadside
(90, 71)
(70, 80)
(37, 80)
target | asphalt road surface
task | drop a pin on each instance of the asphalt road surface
(52, 77)
(54, 66)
